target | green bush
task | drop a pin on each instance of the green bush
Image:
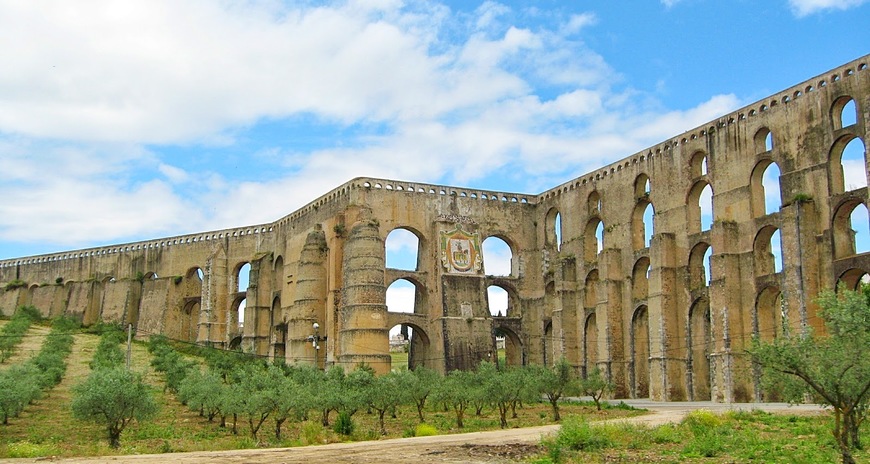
(343, 424)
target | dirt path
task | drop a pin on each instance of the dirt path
(30, 344)
(479, 447)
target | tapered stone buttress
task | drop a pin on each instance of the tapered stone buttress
(310, 303)
(364, 331)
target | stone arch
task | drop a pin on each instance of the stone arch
(699, 207)
(767, 254)
(189, 321)
(590, 300)
(498, 256)
(848, 164)
(402, 249)
(640, 352)
(769, 315)
(194, 273)
(419, 346)
(242, 276)
(698, 164)
(553, 234)
(765, 192)
(278, 274)
(850, 228)
(593, 239)
(593, 203)
(237, 315)
(405, 295)
(513, 345)
(763, 140)
(699, 270)
(852, 279)
(640, 279)
(590, 343)
(548, 342)
(641, 186)
(642, 223)
(502, 300)
(844, 112)
(700, 342)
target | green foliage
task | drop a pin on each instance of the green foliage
(556, 382)
(113, 397)
(343, 424)
(13, 332)
(109, 353)
(13, 284)
(425, 430)
(575, 435)
(835, 369)
(596, 386)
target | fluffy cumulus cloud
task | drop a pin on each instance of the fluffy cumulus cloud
(807, 7)
(132, 119)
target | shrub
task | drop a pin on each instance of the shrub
(343, 424)
(425, 430)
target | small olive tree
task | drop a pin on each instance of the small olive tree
(834, 369)
(113, 398)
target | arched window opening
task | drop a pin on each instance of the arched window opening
(591, 290)
(242, 277)
(402, 250)
(593, 203)
(409, 348)
(641, 186)
(844, 112)
(557, 230)
(643, 226)
(763, 140)
(765, 189)
(700, 340)
(590, 344)
(640, 279)
(189, 321)
(769, 314)
(497, 257)
(508, 346)
(768, 251)
(851, 229)
(599, 237)
(593, 239)
(499, 301)
(699, 268)
(705, 203)
(852, 164)
(239, 319)
(698, 164)
(860, 224)
(402, 297)
(640, 351)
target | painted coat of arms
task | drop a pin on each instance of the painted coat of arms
(460, 251)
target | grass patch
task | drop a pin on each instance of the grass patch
(703, 436)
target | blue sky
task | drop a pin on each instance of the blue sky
(122, 121)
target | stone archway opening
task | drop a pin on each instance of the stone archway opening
(497, 257)
(410, 347)
(640, 351)
(590, 344)
(508, 347)
(402, 250)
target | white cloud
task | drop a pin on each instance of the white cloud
(670, 3)
(808, 7)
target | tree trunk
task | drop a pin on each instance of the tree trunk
(381, 413)
(554, 402)
(278, 423)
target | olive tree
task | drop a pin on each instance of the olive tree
(113, 398)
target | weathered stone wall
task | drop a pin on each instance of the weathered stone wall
(638, 305)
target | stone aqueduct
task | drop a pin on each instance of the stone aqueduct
(665, 313)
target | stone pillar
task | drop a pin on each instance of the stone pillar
(801, 266)
(732, 381)
(667, 355)
(364, 333)
(214, 302)
(612, 359)
(310, 303)
(568, 315)
(257, 315)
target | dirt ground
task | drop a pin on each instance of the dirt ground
(480, 447)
